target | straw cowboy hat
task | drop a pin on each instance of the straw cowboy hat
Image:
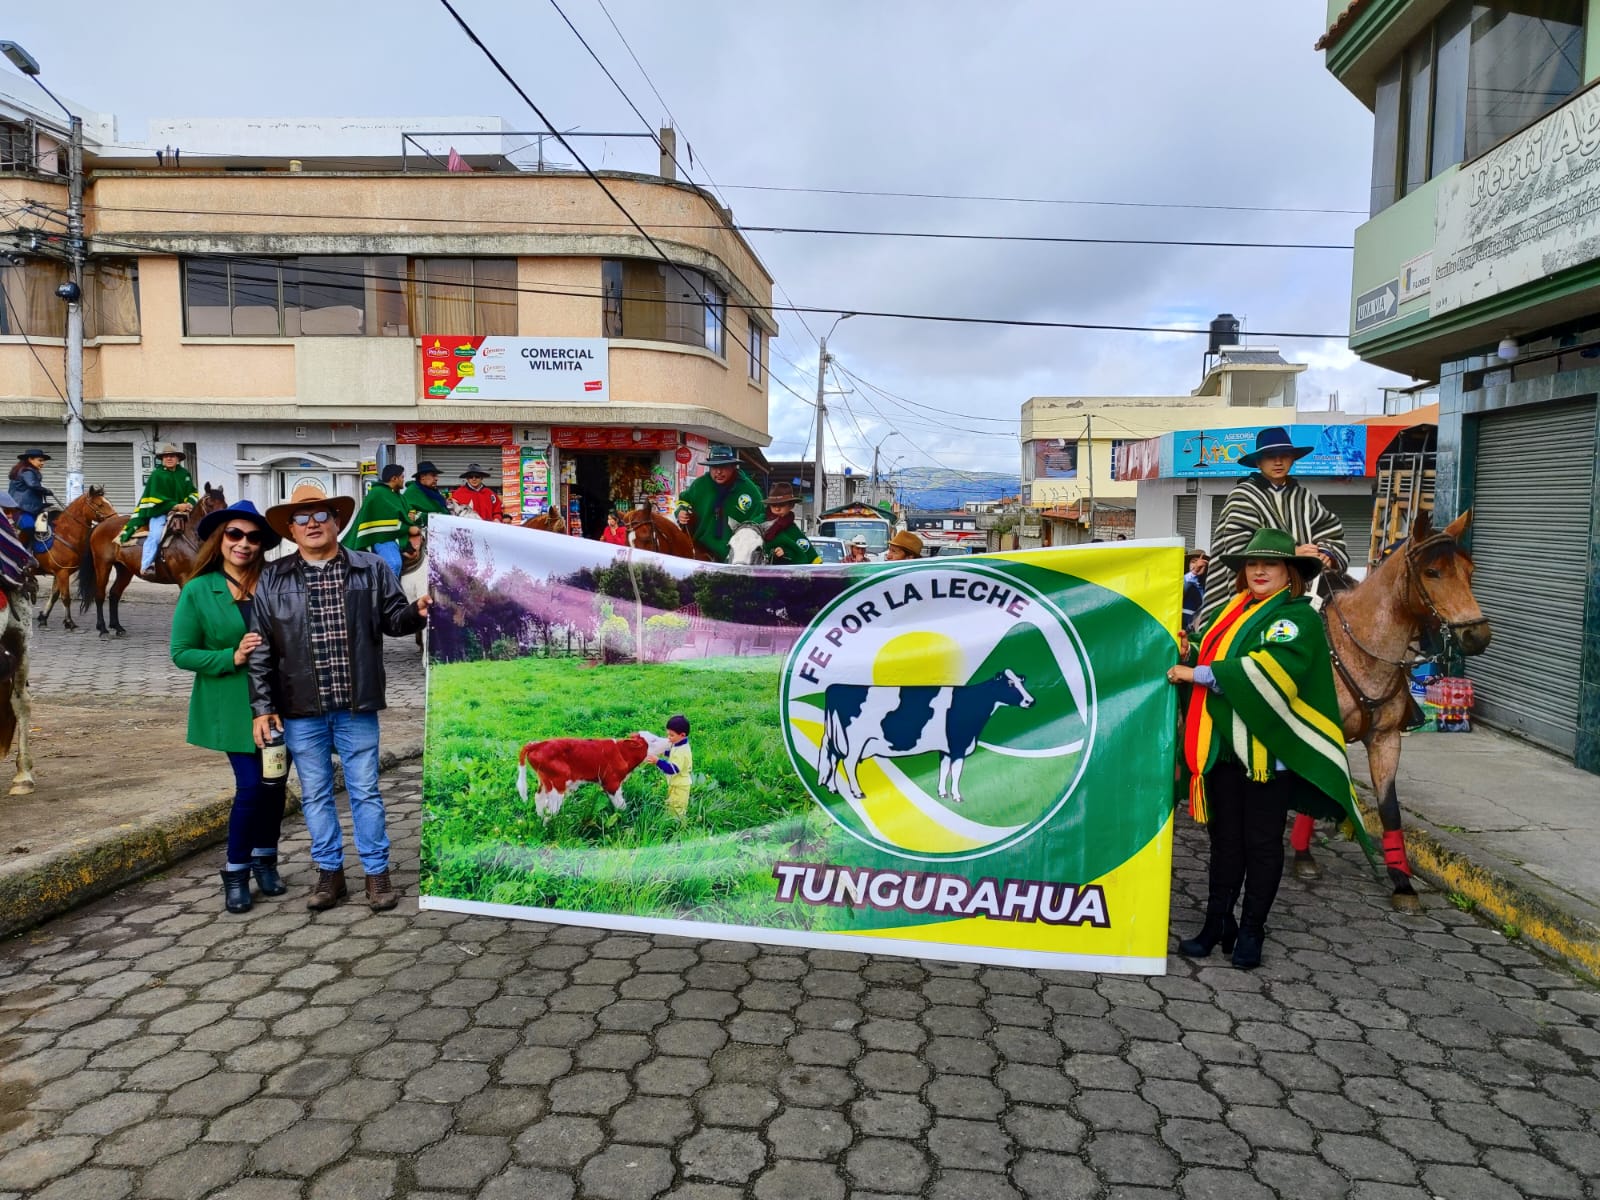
(167, 448)
(782, 493)
(1274, 545)
(1274, 439)
(907, 541)
(308, 497)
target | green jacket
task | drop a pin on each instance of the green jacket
(162, 490)
(741, 504)
(384, 517)
(792, 548)
(206, 629)
(420, 506)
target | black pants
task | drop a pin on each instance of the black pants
(257, 813)
(1246, 825)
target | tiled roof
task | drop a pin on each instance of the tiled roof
(1341, 24)
(1253, 358)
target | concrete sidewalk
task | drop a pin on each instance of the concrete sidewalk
(1508, 830)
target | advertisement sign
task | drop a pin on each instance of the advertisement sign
(1337, 450)
(1138, 460)
(527, 370)
(612, 437)
(1526, 210)
(1055, 458)
(968, 760)
(1416, 277)
(534, 471)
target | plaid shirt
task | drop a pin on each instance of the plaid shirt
(330, 633)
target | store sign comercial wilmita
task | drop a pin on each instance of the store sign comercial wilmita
(1524, 211)
(524, 369)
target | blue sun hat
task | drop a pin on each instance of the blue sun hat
(239, 510)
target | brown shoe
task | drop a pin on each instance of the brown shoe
(329, 891)
(380, 892)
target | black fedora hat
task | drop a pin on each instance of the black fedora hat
(1274, 439)
(474, 469)
(34, 452)
(425, 468)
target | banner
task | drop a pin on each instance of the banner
(964, 758)
(1336, 450)
(525, 369)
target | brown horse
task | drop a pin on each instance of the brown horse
(1425, 585)
(71, 531)
(649, 530)
(549, 521)
(108, 557)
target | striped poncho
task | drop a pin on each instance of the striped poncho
(1275, 704)
(1255, 504)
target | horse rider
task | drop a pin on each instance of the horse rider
(423, 497)
(785, 544)
(383, 525)
(721, 498)
(1270, 499)
(472, 494)
(169, 489)
(902, 546)
(32, 497)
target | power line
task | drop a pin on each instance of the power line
(758, 187)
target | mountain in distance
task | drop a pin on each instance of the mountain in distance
(927, 488)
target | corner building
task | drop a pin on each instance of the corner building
(268, 293)
(1480, 269)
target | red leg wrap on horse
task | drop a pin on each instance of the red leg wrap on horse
(1300, 835)
(1394, 851)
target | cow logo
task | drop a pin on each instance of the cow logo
(744, 503)
(940, 712)
(1282, 631)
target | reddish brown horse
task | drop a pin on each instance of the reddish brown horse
(649, 530)
(1425, 585)
(70, 537)
(550, 521)
(109, 557)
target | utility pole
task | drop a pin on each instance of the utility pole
(1088, 437)
(72, 290)
(819, 480)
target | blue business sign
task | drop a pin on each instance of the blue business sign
(1336, 450)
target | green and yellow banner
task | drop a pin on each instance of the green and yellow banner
(965, 758)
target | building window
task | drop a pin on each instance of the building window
(753, 341)
(665, 303)
(1477, 75)
(349, 296)
(111, 298)
(29, 304)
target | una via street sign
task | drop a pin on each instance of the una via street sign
(1381, 304)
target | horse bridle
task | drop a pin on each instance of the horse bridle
(1429, 611)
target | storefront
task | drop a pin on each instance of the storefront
(603, 467)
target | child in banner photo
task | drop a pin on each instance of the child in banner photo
(1262, 737)
(677, 764)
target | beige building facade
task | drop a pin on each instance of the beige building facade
(275, 315)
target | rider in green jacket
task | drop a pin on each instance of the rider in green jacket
(719, 500)
(423, 497)
(169, 487)
(384, 523)
(786, 545)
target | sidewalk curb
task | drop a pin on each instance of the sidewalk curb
(1557, 923)
(39, 886)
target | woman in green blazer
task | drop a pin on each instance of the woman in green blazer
(210, 638)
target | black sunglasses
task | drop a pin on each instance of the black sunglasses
(321, 517)
(233, 533)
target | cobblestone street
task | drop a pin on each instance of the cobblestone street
(155, 1047)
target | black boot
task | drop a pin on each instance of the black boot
(1216, 929)
(236, 890)
(1247, 954)
(265, 868)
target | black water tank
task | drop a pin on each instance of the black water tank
(1224, 331)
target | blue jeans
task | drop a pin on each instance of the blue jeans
(390, 553)
(311, 742)
(257, 813)
(152, 542)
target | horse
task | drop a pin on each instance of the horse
(1425, 584)
(16, 708)
(747, 547)
(108, 556)
(550, 521)
(649, 530)
(71, 530)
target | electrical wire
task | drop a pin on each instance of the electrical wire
(820, 191)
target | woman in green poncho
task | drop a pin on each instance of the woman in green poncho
(1262, 736)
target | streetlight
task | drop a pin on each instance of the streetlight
(819, 480)
(881, 441)
(72, 290)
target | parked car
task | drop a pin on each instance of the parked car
(831, 548)
(948, 551)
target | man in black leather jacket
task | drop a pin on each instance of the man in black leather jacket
(318, 677)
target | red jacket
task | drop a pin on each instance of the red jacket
(485, 500)
(615, 535)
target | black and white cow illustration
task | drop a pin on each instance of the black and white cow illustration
(863, 721)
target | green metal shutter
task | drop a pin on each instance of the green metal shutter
(1530, 540)
(109, 464)
(452, 460)
(1184, 510)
